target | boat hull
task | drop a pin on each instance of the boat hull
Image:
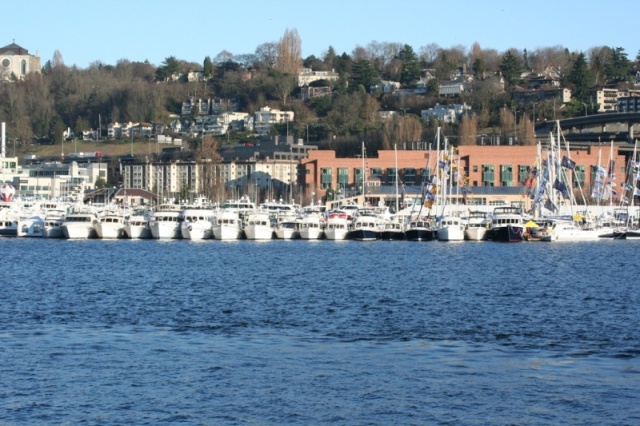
(419, 234)
(507, 234)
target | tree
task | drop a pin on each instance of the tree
(468, 130)
(511, 68)
(170, 66)
(362, 74)
(411, 68)
(207, 67)
(267, 54)
(580, 78)
(289, 52)
(617, 67)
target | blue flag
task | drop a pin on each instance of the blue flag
(568, 163)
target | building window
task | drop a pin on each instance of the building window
(523, 172)
(475, 169)
(392, 175)
(506, 175)
(410, 176)
(357, 176)
(343, 177)
(488, 175)
(580, 175)
(326, 177)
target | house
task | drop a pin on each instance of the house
(193, 76)
(445, 113)
(560, 94)
(385, 86)
(266, 117)
(606, 98)
(309, 92)
(307, 76)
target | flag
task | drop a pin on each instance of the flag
(549, 205)
(601, 172)
(430, 196)
(635, 165)
(562, 188)
(528, 182)
(443, 165)
(636, 192)
(624, 199)
(627, 187)
(568, 163)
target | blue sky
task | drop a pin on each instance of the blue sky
(85, 31)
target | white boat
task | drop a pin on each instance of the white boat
(229, 220)
(164, 223)
(228, 226)
(285, 227)
(311, 226)
(337, 226)
(419, 229)
(136, 226)
(110, 225)
(476, 226)
(366, 226)
(450, 228)
(197, 223)
(32, 226)
(257, 226)
(53, 225)
(79, 224)
(46, 215)
(394, 228)
(568, 230)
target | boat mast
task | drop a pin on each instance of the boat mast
(395, 148)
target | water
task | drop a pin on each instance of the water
(299, 332)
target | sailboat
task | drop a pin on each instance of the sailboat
(420, 227)
(394, 225)
(448, 227)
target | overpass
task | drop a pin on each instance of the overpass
(613, 126)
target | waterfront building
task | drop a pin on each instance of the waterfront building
(494, 174)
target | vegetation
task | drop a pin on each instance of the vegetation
(42, 106)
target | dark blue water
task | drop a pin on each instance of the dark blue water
(299, 332)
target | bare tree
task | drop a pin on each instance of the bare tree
(429, 53)
(556, 56)
(290, 52)
(468, 130)
(57, 60)
(267, 53)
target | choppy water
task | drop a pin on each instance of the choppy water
(299, 332)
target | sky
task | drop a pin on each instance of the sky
(86, 31)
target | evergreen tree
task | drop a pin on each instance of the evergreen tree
(617, 67)
(580, 78)
(511, 68)
(410, 65)
(362, 73)
(207, 67)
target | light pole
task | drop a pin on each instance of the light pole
(308, 133)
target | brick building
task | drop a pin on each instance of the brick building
(495, 173)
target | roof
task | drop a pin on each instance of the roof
(134, 192)
(13, 49)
